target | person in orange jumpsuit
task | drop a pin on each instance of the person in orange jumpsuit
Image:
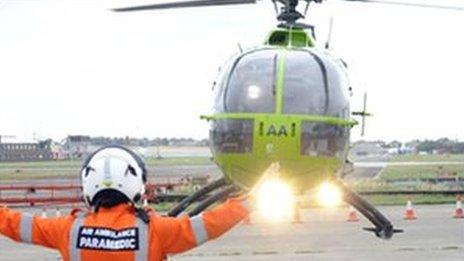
(113, 181)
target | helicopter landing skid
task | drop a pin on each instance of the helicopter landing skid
(185, 203)
(382, 226)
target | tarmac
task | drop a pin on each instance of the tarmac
(324, 235)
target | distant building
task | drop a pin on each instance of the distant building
(58, 151)
(27, 151)
(76, 146)
(367, 149)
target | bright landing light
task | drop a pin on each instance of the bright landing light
(275, 200)
(254, 92)
(329, 195)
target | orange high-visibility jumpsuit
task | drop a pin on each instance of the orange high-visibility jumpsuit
(117, 234)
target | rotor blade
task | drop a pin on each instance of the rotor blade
(184, 4)
(456, 8)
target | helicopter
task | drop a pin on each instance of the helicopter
(284, 101)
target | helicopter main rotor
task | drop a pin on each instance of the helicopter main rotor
(286, 10)
(184, 4)
(287, 15)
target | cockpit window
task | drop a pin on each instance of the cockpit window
(251, 86)
(305, 89)
(232, 136)
(322, 139)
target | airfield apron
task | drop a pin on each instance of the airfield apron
(117, 234)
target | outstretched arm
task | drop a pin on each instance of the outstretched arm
(181, 234)
(10, 224)
(26, 228)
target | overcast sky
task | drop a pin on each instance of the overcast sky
(73, 67)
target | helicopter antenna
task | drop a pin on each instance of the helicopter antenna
(276, 9)
(363, 114)
(306, 7)
(363, 126)
(240, 47)
(329, 38)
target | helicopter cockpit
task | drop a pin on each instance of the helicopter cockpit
(313, 84)
(291, 82)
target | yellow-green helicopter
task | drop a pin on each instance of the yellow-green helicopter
(284, 101)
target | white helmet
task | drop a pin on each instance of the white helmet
(113, 168)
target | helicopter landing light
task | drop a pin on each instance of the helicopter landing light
(275, 200)
(329, 195)
(254, 92)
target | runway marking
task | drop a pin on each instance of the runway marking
(409, 249)
(230, 254)
(451, 248)
(303, 252)
(265, 253)
(444, 248)
(256, 253)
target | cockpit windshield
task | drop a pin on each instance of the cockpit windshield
(305, 91)
(314, 84)
(251, 87)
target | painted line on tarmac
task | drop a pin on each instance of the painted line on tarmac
(256, 253)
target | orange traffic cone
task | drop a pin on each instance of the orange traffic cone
(296, 214)
(458, 212)
(247, 220)
(352, 215)
(410, 214)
